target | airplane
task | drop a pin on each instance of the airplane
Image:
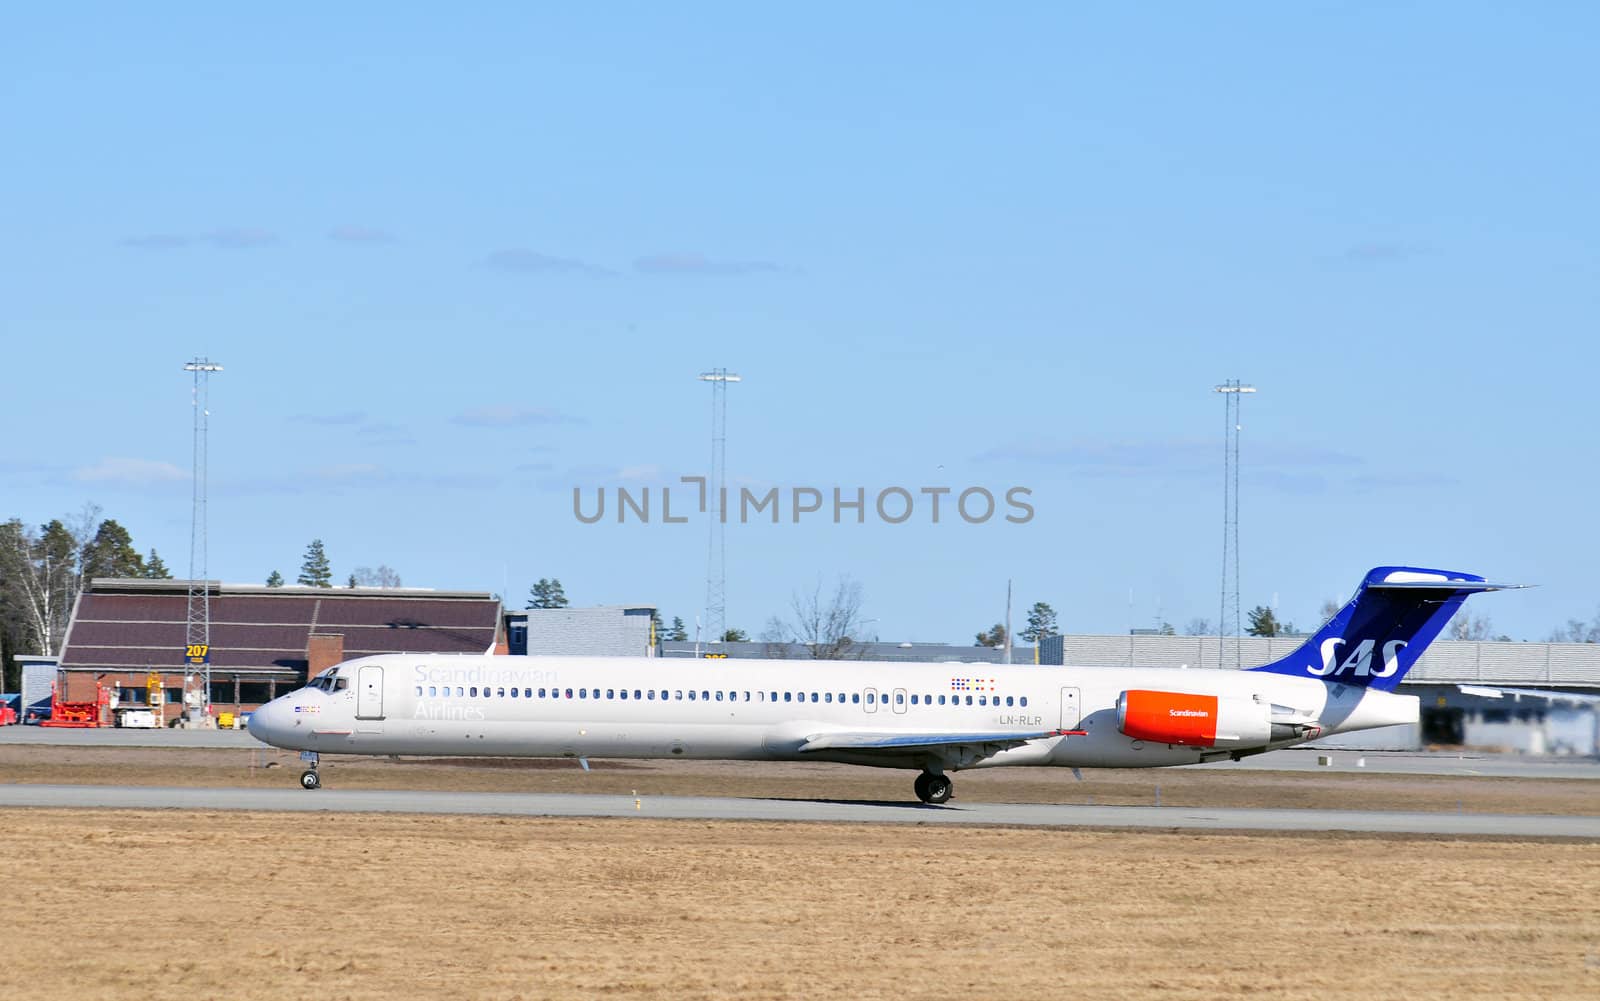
(934, 718)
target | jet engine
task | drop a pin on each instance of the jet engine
(1195, 720)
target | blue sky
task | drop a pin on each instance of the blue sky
(459, 263)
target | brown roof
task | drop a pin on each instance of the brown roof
(138, 624)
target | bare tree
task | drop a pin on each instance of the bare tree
(1466, 626)
(1578, 631)
(829, 629)
(383, 576)
(1198, 627)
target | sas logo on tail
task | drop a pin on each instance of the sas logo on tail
(1359, 663)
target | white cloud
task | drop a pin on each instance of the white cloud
(134, 472)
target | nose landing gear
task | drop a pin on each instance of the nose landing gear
(309, 779)
(934, 789)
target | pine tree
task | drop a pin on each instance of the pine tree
(1041, 622)
(275, 579)
(735, 636)
(657, 630)
(155, 568)
(314, 569)
(994, 637)
(677, 633)
(111, 554)
(547, 593)
(1263, 622)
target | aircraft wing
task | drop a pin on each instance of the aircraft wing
(897, 741)
(1516, 694)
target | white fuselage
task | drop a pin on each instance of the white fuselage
(623, 707)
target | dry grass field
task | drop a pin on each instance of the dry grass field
(103, 904)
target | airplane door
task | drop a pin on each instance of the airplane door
(871, 703)
(369, 692)
(899, 700)
(1071, 711)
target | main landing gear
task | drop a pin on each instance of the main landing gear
(934, 789)
(309, 779)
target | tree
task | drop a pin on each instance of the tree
(1041, 622)
(111, 554)
(677, 633)
(1198, 627)
(657, 630)
(995, 637)
(351, 582)
(1263, 622)
(275, 579)
(735, 636)
(547, 593)
(314, 568)
(1165, 629)
(1466, 626)
(1578, 631)
(383, 576)
(830, 628)
(155, 568)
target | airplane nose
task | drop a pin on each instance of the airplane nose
(262, 722)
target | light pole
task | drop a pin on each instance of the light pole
(716, 553)
(1232, 391)
(198, 629)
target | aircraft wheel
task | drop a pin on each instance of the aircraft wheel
(934, 789)
(310, 780)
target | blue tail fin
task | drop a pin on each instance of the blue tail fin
(1375, 639)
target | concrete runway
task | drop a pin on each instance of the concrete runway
(716, 808)
(1292, 759)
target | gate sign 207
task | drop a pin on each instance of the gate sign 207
(197, 653)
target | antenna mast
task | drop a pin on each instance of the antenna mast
(716, 506)
(198, 629)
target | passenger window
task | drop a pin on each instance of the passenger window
(983, 700)
(663, 695)
(569, 693)
(611, 693)
(638, 694)
(527, 693)
(1024, 701)
(678, 695)
(872, 699)
(813, 696)
(719, 696)
(856, 698)
(788, 696)
(941, 700)
(624, 694)
(969, 700)
(541, 693)
(774, 696)
(691, 695)
(1008, 700)
(747, 696)
(513, 693)
(841, 698)
(899, 698)
(501, 692)
(652, 695)
(913, 700)
(419, 690)
(474, 691)
(828, 697)
(705, 696)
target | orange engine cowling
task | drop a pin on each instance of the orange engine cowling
(1193, 720)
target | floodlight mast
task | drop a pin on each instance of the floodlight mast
(1229, 619)
(716, 553)
(198, 627)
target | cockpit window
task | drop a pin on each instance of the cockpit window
(341, 684)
